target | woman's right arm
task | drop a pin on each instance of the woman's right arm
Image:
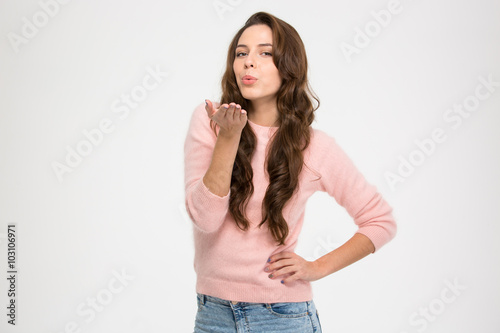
(208, 163)
(231, 122)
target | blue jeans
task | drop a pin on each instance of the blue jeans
(216, 315)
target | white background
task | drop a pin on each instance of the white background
(121, 208)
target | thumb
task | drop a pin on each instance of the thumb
(210, 108)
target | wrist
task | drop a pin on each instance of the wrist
(324, 265)
(229, 136)
(319, 267)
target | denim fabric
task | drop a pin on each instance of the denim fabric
(216, 315)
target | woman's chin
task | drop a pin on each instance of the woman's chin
(249, 96)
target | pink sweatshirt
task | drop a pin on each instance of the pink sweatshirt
(229, 262)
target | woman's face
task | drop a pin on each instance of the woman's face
(254, 58)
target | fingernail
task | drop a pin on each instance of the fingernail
(270, 276)
(282, 281)
(206, 102)
(269, 260)
(266, 269)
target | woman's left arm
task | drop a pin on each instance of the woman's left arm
(370, 212)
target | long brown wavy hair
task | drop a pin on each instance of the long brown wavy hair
(295, 115)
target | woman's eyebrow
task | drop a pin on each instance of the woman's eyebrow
(262, 44)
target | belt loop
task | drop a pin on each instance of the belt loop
(204, 298)
(201, 298)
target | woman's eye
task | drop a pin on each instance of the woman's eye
(238, 54)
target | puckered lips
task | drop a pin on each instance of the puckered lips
(248, 79)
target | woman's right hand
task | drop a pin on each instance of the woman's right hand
(230, 118)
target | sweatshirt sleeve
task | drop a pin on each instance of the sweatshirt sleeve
(206, 209)
(342, 180)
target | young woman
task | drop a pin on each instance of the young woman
(251, 163)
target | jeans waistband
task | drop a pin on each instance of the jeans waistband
(203, 298)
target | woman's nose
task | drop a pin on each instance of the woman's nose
(249, 62)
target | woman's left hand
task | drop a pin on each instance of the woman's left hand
(293, 266)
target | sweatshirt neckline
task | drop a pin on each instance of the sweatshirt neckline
(262, 126)
(262, 131)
